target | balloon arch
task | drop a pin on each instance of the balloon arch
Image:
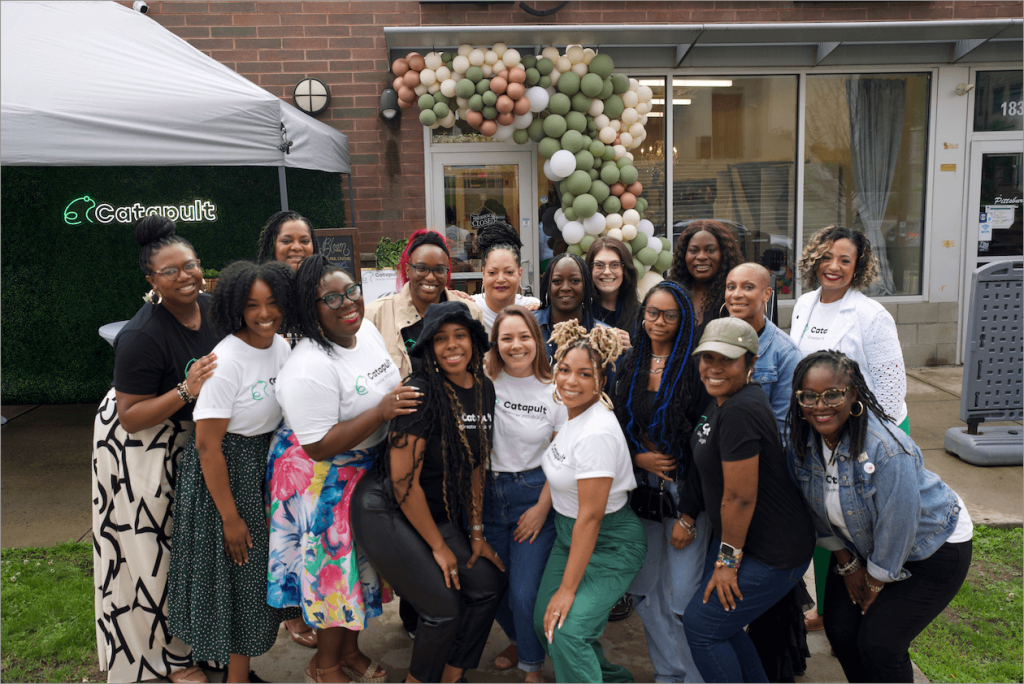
(584, 118)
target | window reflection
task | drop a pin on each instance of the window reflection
(649, 158)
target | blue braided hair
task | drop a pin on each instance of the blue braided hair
(666, 426)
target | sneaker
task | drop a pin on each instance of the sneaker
(621, 610)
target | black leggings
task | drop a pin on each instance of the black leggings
(453, 624)
(873, 647)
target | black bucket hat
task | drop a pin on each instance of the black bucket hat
(449, 312)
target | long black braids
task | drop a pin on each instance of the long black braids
(265, 244)
(235, 283)
(307, 281)
(441, 406)
(588, 287)
(666, 426)
(799, 429)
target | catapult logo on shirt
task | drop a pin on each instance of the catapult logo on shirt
(703, 430)
(263, 389)
(522, 410)
(376, 378)
(556, 455)
(469, 421)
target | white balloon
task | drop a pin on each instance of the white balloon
(490, 57)
(503, 133)
(563, 163)
(629, 156)
(563, 64)
(636, 130)
(420, 90)
(616, 125)
(630, 99)
(628, 232)
(538, 98)
(443, 73)
(574, 53)
(620, 151)
(460, 64)
(646, 227)
(594, 225)
(644, 93)
(588, 55)
(652, 243)
(499, 49)
(650, 279)
(476, 57)
(633, 84)
(523, 120)
(629, 116)
(643, 119)
(601, 121)
(488, 70)
(432, 60)
(626, 139)
(428, 77)
(615, 232)
(596, 107)
(511, 58)
(631, 217)
(554, 178)
(560, 219)
(580, 69)
(606, 135)
(549, 53)
(572, 232)
(614, 221)
(465, 49)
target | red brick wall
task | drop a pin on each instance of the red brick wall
(275, 44)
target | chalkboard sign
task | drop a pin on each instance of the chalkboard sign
(341, 247)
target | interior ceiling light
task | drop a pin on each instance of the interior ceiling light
(702, 82)
(675, 101)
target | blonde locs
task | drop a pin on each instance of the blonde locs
(602, 344)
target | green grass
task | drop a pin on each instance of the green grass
(47, 633)
(978, 637)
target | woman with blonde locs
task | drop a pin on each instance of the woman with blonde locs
(600, 544)
(410, 515)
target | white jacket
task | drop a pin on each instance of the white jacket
(864, 331)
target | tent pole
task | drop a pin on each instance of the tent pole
(283, 185)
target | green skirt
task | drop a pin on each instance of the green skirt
(216, 606)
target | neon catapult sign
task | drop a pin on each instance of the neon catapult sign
(84, 209)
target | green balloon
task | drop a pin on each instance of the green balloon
(474, 74)
(536, 131)
(591, 126)
(584, 160)
(606, 89)
(580, 102)
(597, 148)
(527, 61)
(628, 174)
(464, 88)
(628, 246)
(601, 65)
(441, 97)
(427, 117)
(594, 175)
(426, 101)
(567, 197)
(490, 113)
(446, 57)
(441, 110)
(639, 242)
(576, 121)
(570, 214)
(554, 126)
(585, 206)
(476, 103)
(610, 174)
(623, 162)
(569, 83)
(599, 189)
(483, 86)
(586, 242)
(613, 107)
(544, 82)
(620, 83)
(490, 98)
(612, 205)
(548, 146)
(592, 84)
(641, 204)
(577, 183)
(520, 136)
(574, 249)
(666, 244)
(664, 260)
(608, 154)
(559, 104)
(572, 141)
(545, 66)
(532, 76)
(639, 266)
(647, 256)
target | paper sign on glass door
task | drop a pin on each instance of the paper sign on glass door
(1000, 217)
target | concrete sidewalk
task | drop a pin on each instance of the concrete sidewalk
(45, 494)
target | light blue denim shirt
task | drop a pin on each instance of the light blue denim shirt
(895, 510)
(777, 356)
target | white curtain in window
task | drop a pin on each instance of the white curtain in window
(876, 107)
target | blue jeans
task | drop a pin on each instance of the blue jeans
(508, 497)
(722, 650)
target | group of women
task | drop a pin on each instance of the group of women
(499, 457)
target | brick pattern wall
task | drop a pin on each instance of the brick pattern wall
(275, 44)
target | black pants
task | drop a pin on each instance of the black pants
(873, 647)
(453, 624)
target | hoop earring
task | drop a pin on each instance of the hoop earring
(607, 401)
(153, 297)
(750, 374)
(720, 310)
(857, 415)
(556, 397)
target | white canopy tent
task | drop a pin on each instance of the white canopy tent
(98, 84)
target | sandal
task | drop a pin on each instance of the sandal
(813, 622)
(307, 639)
(313, 673)
(190, 675)
(504, 661)
(367, 677)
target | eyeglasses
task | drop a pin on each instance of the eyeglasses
(832, 397)
(422, 270)
(172, 272)
(671, 316)
(613, 266)
(334, 300)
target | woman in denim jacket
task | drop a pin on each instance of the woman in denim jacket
(901, 538)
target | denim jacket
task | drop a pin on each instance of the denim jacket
(777, 356)
(895, 510)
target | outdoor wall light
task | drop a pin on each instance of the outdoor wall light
(964, 88)
(389, 110)
(311, 95)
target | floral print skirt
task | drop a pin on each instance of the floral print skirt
(314, 563)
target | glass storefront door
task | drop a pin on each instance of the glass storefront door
(475, 189)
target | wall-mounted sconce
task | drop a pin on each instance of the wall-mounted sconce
(963, 88)
(389, 109)
(311, 95)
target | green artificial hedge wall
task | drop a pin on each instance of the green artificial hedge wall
(60, 283)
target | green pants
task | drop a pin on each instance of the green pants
(618, 554)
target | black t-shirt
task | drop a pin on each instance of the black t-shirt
(781, 533)
(153, 348)
(609, 317)
(432, 474)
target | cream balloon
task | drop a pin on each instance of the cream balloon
(476, 57)
(644, 93)
(626, 139)
(630, 99)
(465, 49)
(461, 103)
(580, 69)
(563, 64)
(511, 58)
(460, 64)
(443, 73)
(650, 279)
(490, 57)
(629, 116)
(449, 120)
(633, 84)
(428, 77)
(636, 130)
(432, 60)
(575, 54)
(631, 217)
(588, 55)
(596, 107)
(615, 232)
(420, 90)
(488, 70)
(620, 151)
(602, 121)
(606, 135)
(643, 108)
(615, 125)
(643, 119)
(550, 53)
(499, 49)
(448, 87)
(628, 232)
(614, 221)
(433, 88)
(554, 76)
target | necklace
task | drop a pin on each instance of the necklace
(659, 358)
(658, 371)
(829, 443)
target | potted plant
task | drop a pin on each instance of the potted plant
(381, 280)
(210, 279)
(388, 253)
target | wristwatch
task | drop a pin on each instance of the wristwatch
(476, 528)
(729, 551)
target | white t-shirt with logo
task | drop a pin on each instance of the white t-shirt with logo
(318, 390)
(490, 315)
(816, 329)
(832, 504)
(525, 415)
(243, 387)
(590, 445)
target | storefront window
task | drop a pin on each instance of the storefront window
(734, 160)
(649, 158)
(997, 101)
(461, 132)
(866, 141)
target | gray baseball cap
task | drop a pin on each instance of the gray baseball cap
(730, 337)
